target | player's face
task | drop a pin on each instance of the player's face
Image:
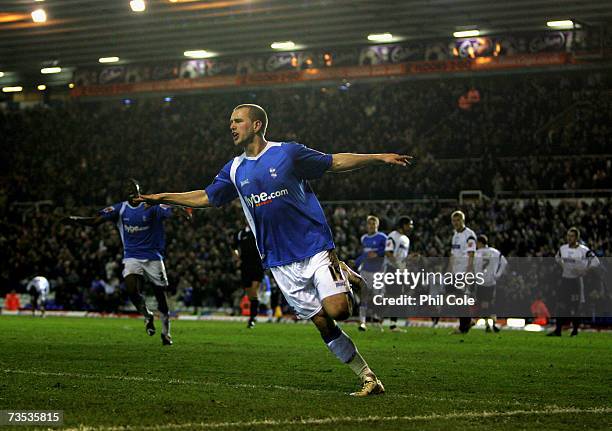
(372, 226)
(131, 189)
(457, 223)
(572, 238)
(241, 127)
(479, 245)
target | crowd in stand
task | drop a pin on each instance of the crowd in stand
(76, 155)
(542, 132)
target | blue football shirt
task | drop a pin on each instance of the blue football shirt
(141, 228)
(280, 207)
(376, 243)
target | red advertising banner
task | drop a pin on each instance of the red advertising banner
(264, 79)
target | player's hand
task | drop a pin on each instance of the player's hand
(150, 199)
(70, 220)
(396, 159)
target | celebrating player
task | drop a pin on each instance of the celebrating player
(141, 230)
(396, 253)
(251, 271)
(490, 262)
(370, 261)
(38, 288)
(463, 247)
(292, 235)
(576, 260)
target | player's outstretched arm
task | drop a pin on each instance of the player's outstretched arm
(193, 199)
(84, 221)
(343, 162)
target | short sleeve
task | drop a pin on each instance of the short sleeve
(164, 211)
(110, 213)
(222, 191)
(390, 246)
(471, 242)
(309, 164)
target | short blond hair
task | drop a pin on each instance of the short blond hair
(256, 113)
(373, 217)
(575, 230)
(459, 214)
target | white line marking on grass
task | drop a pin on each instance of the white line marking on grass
(349, 419)
(248, 386)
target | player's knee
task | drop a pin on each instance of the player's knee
(338, 309)
(342, 314)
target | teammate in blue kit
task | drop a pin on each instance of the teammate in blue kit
(292, 235)
(370, 261)
(141, 229)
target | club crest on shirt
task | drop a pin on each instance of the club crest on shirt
(273, 172)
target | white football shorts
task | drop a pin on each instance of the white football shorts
(152, 270)
(306, 283)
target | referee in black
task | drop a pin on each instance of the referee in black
(247, 258)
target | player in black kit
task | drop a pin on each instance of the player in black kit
(249, 261)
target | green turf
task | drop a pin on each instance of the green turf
(107, 373)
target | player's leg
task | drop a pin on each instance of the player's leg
(43, 302)
(393, 327)
(575, 326)
(253, 294)
(155, 272)
(134, 284)
(164, 313)
(365, 298)
(303, 284)
(558, 327)
(333, 289)
(34, 299)
(341, 345)
(493, 318)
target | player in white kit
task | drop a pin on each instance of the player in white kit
(576, 260)
(492, 264)
(38, 288)
(396, 253)
(463, 249)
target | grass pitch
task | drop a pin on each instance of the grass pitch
(107, 374)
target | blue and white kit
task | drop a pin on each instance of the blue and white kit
(142, 233)
(292, 234)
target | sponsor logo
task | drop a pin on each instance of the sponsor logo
(244, 182)
(134, 229)
(264, 198)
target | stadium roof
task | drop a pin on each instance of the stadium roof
(78, 32)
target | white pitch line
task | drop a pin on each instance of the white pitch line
(247, 386)
(349, 419)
